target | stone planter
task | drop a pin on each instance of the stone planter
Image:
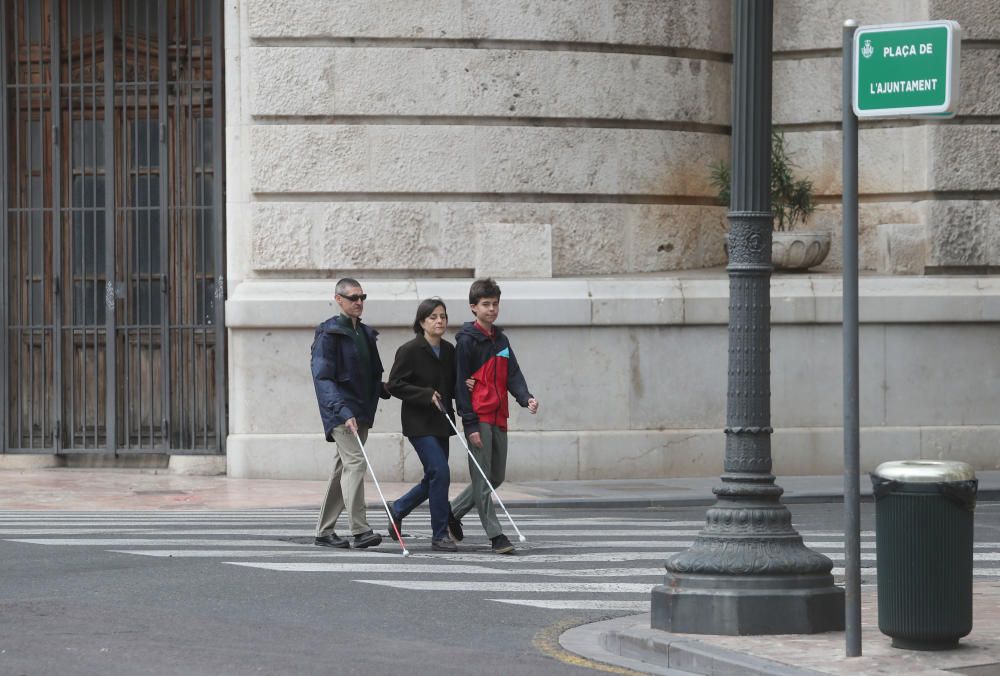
(794, 250)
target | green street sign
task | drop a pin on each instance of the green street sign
(907, 69)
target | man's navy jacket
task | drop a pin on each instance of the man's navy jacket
(339, 378)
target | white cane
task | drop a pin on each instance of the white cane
(385, 504)
(494, 491)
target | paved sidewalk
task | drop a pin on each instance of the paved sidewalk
(104, 489)
(622, 641)
(629, 642)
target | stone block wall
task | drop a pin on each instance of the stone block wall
(631, 375)
(933, 174)
(380, 137)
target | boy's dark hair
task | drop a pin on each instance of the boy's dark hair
(483, 288)
(424, 310)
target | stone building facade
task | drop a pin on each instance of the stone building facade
(563, 146)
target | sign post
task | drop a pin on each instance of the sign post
(852, 409)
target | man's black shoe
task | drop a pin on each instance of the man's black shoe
(395, 520)
(501, 545)
(454, 526)
(331, 540)
(445, 544)
(367, 539)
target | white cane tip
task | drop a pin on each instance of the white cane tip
(524, 539)
(406, 552)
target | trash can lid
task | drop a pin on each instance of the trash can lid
(925, 471)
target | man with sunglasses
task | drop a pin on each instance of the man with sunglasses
(347, 374)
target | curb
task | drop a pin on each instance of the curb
(629, 642)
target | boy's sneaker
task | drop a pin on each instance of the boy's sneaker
(397, 521)
(367, 539)
(501, 545)
(445, 544)
(455, 526)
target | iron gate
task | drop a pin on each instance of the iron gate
(112, 198)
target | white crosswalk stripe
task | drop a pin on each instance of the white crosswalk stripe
(580, 604)
(488, 585)
(410, 568)
(140, 542)
(597, 563)
(383, 553)
(229, 553)
(446, 570)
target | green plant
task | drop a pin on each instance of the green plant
(791, 200)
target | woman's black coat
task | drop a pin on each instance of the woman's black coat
(415, 375)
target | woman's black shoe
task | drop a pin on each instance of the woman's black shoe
(445, 544)
(455, 526)
(398, 522)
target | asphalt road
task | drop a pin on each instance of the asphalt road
(246, 592)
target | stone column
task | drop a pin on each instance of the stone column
(748, 571)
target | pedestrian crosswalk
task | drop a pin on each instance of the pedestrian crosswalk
(598, 563)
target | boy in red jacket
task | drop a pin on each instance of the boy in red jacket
(483, 355)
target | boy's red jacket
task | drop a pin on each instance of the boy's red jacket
(490, 360)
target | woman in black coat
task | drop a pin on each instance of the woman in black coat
(423, 376)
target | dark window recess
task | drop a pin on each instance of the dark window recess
(112, 337)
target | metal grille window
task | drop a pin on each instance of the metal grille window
(112, 193)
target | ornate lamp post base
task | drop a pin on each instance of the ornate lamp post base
(746, 606)
(748, 573)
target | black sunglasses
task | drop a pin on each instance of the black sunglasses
(354, 299)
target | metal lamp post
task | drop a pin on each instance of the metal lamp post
(748, 571)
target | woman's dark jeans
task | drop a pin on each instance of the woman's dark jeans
(433, 454)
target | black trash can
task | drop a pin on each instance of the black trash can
(923, 537)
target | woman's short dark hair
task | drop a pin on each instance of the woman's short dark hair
(424, 310)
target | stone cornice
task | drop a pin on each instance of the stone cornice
(680, 300)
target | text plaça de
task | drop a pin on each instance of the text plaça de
(907, 50)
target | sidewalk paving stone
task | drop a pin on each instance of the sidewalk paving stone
(629, 642)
